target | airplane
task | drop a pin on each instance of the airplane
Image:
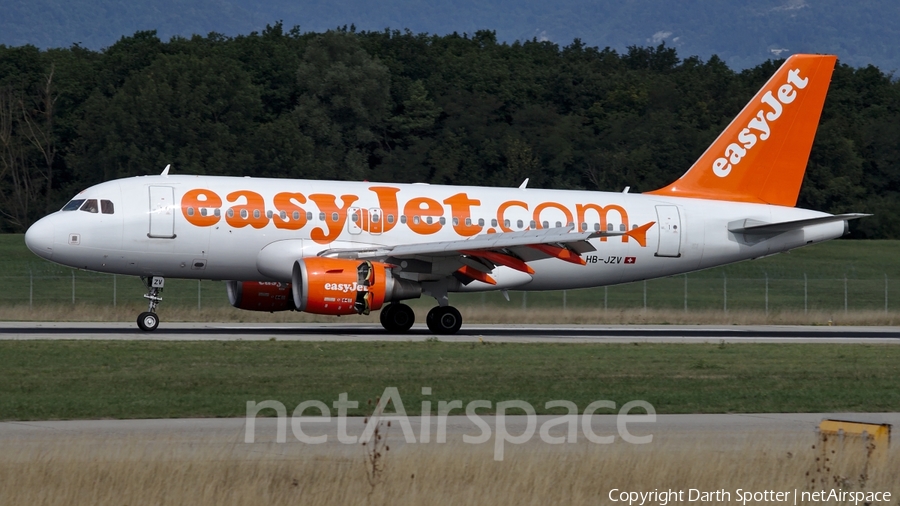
(344, 248)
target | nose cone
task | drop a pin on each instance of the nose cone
(39, 238)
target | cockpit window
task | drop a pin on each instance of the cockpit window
(106, 207)
(90, 206)
(73, 205)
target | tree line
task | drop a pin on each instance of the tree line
(402, 107)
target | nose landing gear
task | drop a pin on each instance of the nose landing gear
(148, 320)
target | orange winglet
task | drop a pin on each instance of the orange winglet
(560, 253)
(477, 275)
(640, 234)
(501, 259)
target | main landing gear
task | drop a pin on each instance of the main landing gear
(399, 318)
(148, 320)
(443, 320)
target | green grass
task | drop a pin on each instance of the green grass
(865, 264)
(102, 379)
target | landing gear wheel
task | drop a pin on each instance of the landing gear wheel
(148, 321)
(444, 320)
(397, 318)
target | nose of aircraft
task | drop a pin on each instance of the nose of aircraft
(39, 238)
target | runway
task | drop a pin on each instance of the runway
(176, 331)
(717, 431)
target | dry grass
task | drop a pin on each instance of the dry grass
(471, 314)
(72, 471)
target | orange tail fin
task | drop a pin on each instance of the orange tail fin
(761, 157)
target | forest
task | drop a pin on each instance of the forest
(402, 107)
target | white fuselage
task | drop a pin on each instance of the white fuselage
(160, 228)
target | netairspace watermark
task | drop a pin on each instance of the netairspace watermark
(743, 496)
(499, 432)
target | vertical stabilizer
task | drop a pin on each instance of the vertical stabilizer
(761, 157)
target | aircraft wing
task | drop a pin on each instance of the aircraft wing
(479, 254)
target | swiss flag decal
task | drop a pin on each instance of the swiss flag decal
(630, 260)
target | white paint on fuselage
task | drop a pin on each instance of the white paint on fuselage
(119, 243)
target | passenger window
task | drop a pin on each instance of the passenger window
(480, 222)
(468, 222)
(428, 220)
(622, 228)
(532, 224)
(545, 224)
(90, 206)
(455, 221)
(106, 207)
(403, 218)
(190, 211)
(596, 227)
(308, 216)
(506, 223)
(375, 218)
(558, 224)
(321, 216)
(609, 227)
(217, 212)
(334, 216)
(73, 205)
(494, 222)
(519, 224)
(390, 218)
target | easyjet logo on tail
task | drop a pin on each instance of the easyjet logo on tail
(759, 127)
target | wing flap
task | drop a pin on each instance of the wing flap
(510, 249)
(561, 236)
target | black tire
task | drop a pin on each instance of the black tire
(148, 321)
(444, 320)
(397, 318)
(385, 312)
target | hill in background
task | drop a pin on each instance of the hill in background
(744, 34)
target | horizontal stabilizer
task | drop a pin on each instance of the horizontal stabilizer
(755, 227)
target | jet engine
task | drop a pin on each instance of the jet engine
(336, 286)
(260, 295)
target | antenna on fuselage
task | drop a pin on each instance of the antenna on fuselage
(524, 184)
(165, 171)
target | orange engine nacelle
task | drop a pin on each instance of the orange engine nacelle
(260, 295)
(337, 286)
